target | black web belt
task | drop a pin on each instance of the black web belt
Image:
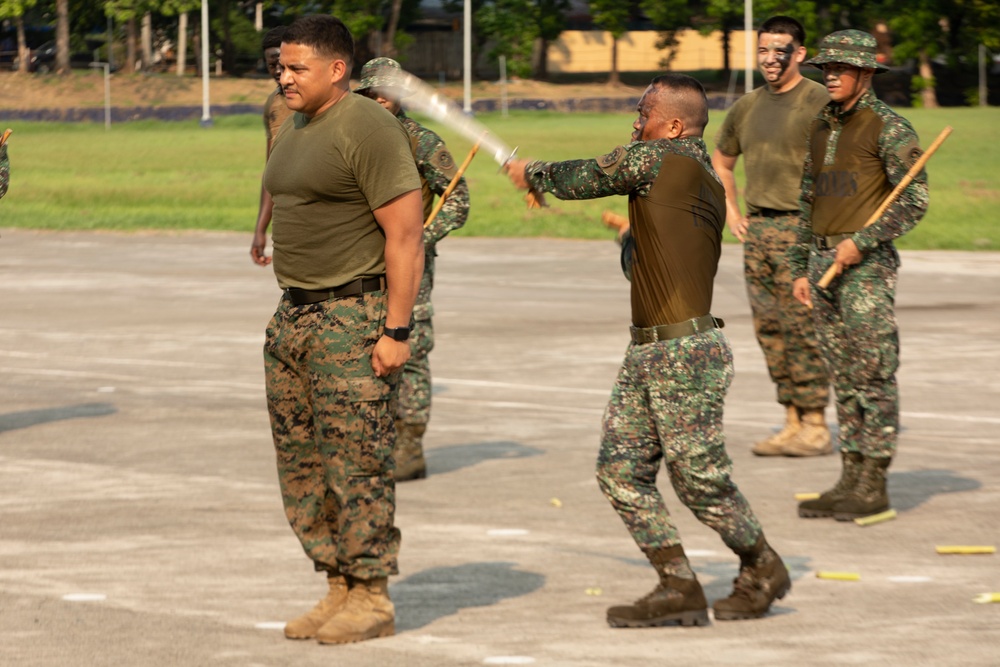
(678, 330)
(774, 213)
(305, 297)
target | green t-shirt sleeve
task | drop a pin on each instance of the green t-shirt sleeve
(728, 140)
(384, 165)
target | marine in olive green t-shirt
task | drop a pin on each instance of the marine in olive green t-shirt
(326, 176)
(771, 130)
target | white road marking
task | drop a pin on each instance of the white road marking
(270, 625)
(509, 660)
(85, 597)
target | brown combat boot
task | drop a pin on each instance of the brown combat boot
(674, 600)
(823, 506)
(774, 445)
(367, 614)
(869, 496)
(409, 452)
(763, 578)
(305, 626)
(813, 438)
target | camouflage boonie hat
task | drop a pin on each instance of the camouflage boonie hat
(384, 73)
(850, 47)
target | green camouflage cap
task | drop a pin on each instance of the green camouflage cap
(384, 73)
(850, 47)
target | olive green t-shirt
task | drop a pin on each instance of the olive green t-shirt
(326, 176)
(771, 131)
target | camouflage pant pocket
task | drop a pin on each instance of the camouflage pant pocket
(371, 427)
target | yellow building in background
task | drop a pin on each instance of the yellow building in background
(584, 51)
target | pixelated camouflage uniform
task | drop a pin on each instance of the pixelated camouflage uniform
(436, 167)
(4, 170)
(667, 401)
(782, 325)
(321, 389)
(855, 317)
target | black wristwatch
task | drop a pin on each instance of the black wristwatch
(398, 333)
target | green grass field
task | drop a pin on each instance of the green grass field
(147, 175)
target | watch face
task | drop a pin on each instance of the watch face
(398, 333)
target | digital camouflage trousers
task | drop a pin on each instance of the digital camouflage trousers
(332, 423)
(666, 405)
(415, 382)
(783, 326)
(856, 324)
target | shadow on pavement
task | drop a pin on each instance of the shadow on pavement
(455, 457)
(912, 488)
(425, 597)
(16, 420)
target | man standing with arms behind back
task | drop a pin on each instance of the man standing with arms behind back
(348, 255)
(769, 127)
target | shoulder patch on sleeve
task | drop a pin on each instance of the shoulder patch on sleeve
(609, 163)
(443, 160)
(915, 153)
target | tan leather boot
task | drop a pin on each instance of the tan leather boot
(367, 614)
(305, 626)
(409, 452)
(813, 438)
(774, 446)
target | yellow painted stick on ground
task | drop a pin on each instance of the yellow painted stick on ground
(966, 550)
(839, 576)
(876, 518)
(806, 496)
(986, 598)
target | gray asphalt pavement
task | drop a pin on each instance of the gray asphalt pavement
(140, 520)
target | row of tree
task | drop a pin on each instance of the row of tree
(915, 30)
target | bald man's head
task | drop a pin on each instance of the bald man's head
(683, 97)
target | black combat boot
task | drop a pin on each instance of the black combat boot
(674, 600)
(869, 496)
(763, 578)
(849, 477)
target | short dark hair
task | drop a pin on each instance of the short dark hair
(687, 96)
(784, 25)
(326, 34)
(272, 38)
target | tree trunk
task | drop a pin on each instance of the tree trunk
(726, 53)
(130, 45)
(928, 94)
(543, 60)
(613, 78)
(23, 53)
(390, 29)
(62, 36)
(147, 42)
(228, 52)
(182, 36)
